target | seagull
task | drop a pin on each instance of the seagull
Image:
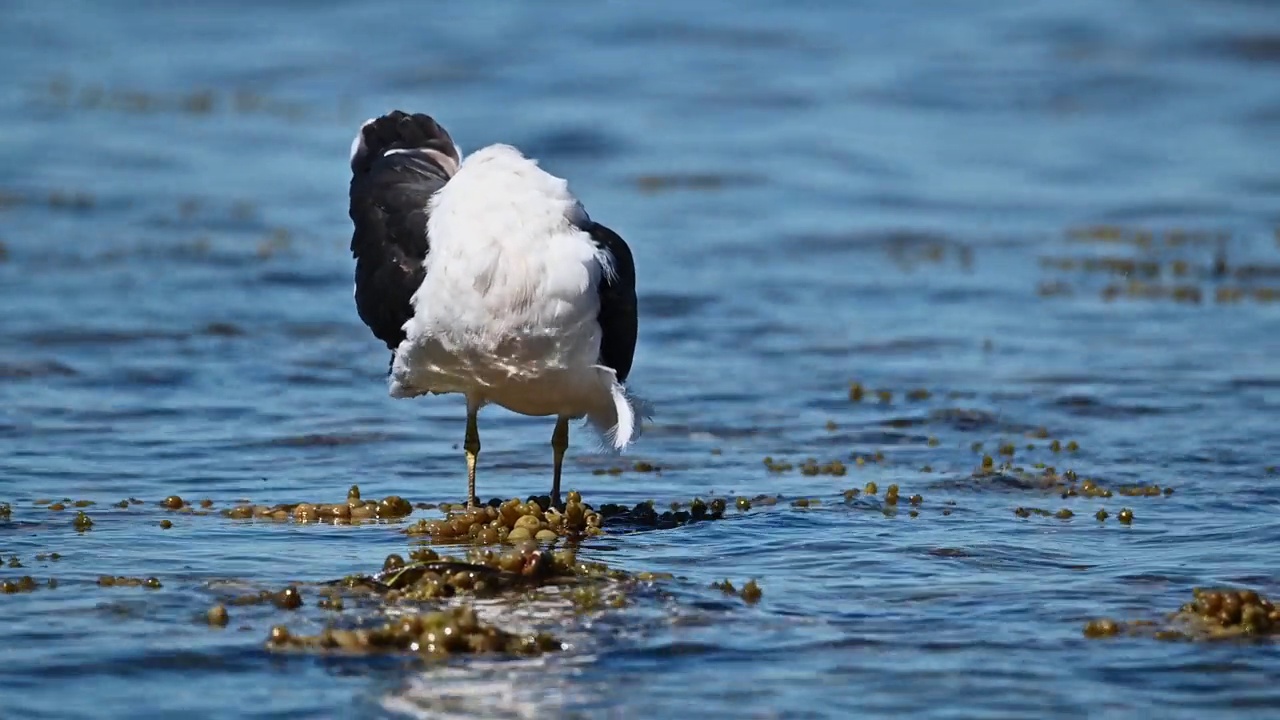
(486, 277)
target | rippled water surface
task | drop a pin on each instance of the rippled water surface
(1028, 221)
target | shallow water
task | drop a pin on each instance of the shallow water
(967, 200)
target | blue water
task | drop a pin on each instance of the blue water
(815, 193)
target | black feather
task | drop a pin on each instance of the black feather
(389, 195)
(619, 319)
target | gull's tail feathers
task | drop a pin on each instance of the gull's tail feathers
(618, 421)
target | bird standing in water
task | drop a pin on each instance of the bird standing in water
(485, 276)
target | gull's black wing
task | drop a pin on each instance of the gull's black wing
(397, 163)
(619, 320)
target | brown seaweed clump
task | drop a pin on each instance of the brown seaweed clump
(405, 584)
(82, 522)
(455, 631)
(515, 521)
(750, 593)
(122, 581)
(1067, 483)
(24, 584)
(645, 515)
(511, 522)
(812, 467)
(354, 510)
(868, 498)
(1212, 614)
(290, 598)
(217, 616)
(525, 569)
(483, 573)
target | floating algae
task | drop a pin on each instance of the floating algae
(217, 616)
(290, 598)
(24, 584)
(774, 466)
(862, 460)
(432, 634)
(354, 510)
(150, 583)
(867, 498)
(1067, 484)
(524, 572)
(640, 466)
(725, 587)
(516, 521)
(482, 573)
(1140, 277)
(1026, 512)
(750, 592)
(427, 585)
(812, 467)
(590, 599)
(1212, 614)
(512, 521)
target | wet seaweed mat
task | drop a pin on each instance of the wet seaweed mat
(429, 605)
(426, 603)
(1212, 614)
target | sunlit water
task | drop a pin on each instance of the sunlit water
(815, 193)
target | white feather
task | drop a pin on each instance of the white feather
(508, 311)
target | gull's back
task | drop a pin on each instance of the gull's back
(486, 276)
(509, 254)
(510, 302)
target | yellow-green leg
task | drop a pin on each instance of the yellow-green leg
(559, 444)
(472, 445)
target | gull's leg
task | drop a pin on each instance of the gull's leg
(472, 445)
(559, 443)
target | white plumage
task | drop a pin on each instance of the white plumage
(507, 312)
(485, 276)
